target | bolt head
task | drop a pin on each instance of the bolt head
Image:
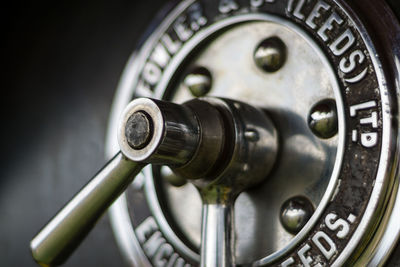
(198, 81)
(323, 120)
(138, 130)
(270, 54)
(295, 213)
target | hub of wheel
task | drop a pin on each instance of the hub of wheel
(222, 146)
(272, 131)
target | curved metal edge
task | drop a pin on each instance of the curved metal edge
(387, 30)
(118, 213)
(392, 232)
(378, 245)
(168, 73)
(125, 92)
(127, 241)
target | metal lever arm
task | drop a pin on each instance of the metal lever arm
(59, 238)
(217, 235)
(148, 134)
(202, 138)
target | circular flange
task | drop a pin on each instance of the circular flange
(148, 108)
(307, 165)
(361, 173)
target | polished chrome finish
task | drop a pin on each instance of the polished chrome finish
(58, 239)
(387, 235)
(244, 162)
(323, 119)
(270, 54)
(198, 81)
(171, 177)
(232, 146)
(307, 164)
(217, 236)
(311, 164)
(175, 132)
(288, 101)
(295, 213)
(213, 150)
(214, 132)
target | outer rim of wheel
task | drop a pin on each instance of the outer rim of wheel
(388, 165)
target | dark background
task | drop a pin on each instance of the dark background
(60, 66)
(61, 62)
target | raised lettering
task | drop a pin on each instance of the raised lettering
(354, 135)
(349, 64)
(162, 255)
(328, 25)
(369, 139)
(160, 56)
(172, 260)
(343, 43)
(146, 229)
(195, 25)
(181, 263)
(287, 262)
(358, 77)
(297, 10)
(373, 120)
(151, 73)
(365, 105)
(315, 13)
(329, 251)
(172, 46)
(227, 6)
(258, 3)
(151, 246)
(182, 30)
(306, 260)
(334, 224)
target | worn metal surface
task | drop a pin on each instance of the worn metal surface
(305, 164)
(36, 52)
(394, 259)
(358, 84)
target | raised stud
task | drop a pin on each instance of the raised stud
(270, 54)
(295, 213)
(198, 81)
(323, 120)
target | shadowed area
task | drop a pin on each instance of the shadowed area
(61, 65)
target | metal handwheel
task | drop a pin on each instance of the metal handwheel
(261, 133)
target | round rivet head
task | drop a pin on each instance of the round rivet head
(295, 213)
(138, 130)
(198, 81)
(323, 120)
(270, 54)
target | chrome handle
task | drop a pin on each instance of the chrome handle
(217, 238)
(59, 238)
(208, 141)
